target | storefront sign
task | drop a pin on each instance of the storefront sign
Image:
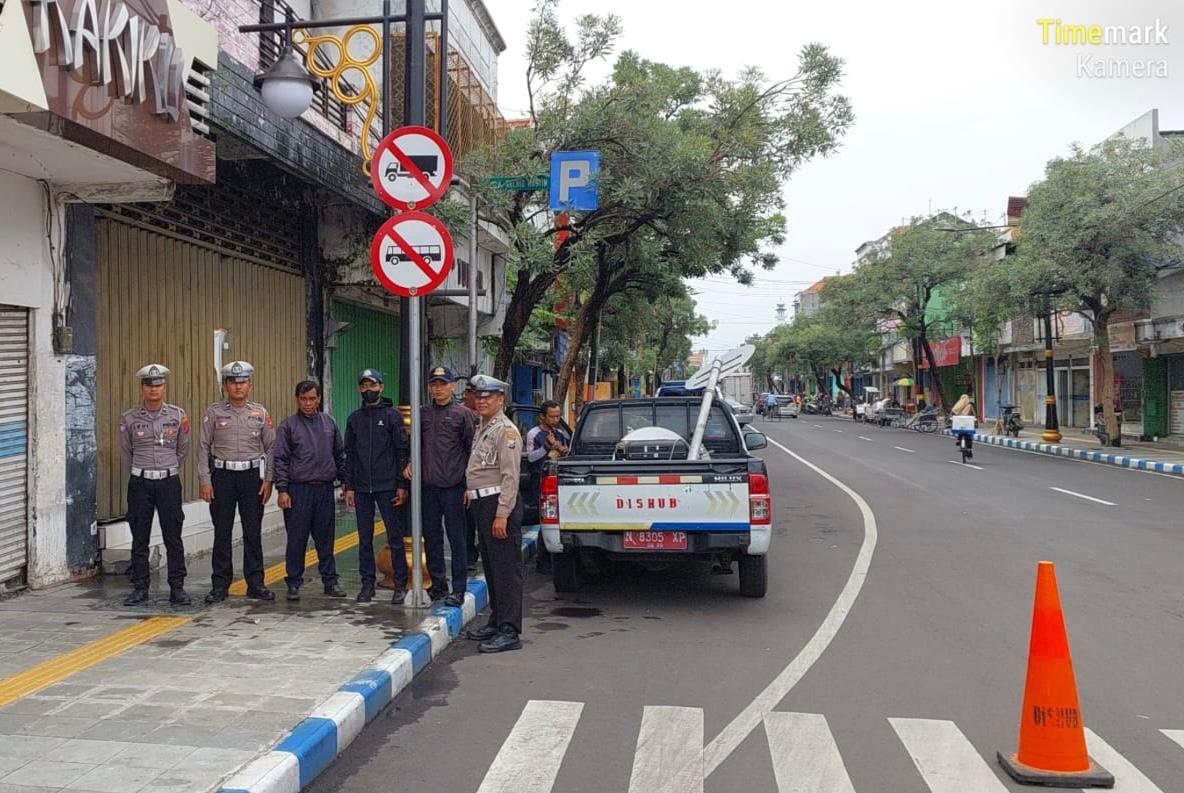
(117, 72)
(109, 44)
(945, 353)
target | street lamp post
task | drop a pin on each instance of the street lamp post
(1052, 431)
(287, 88)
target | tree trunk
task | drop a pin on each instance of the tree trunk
(528, 293)
(941, 399)
(1106, 362)
(838, 373)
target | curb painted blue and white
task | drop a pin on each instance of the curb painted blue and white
(1056, 450)
(315, 742)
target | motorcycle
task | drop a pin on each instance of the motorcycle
(1099, 429)
(1011, 420)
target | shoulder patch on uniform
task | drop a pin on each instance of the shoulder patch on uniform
(512, 443)
(184, 423)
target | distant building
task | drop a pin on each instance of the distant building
(807, 302)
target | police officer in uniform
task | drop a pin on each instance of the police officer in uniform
(235, 472)
(492, 496)
(153, 440)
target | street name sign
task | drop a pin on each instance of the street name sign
(519, 184)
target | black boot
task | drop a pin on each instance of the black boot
(216, 596)
(178, 596)
(505, 640)
(136, 597)
(334, 591)
(366, 594)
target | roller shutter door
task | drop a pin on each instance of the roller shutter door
(14, 445)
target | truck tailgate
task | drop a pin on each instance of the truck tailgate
(688, 502)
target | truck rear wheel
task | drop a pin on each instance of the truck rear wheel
(565, 571)
(754, 576)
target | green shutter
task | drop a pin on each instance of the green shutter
(1155, 397)
(370, 342)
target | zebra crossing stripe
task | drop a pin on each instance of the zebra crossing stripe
(946, 759)
(669, 754)
(805, 756)
(1127, 778)
(1175, 735)
(529, 759)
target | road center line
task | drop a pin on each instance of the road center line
(1083, 495)
(965, 465)
(819, 426)
(864, 438)
(836, 430)
(753, 714)
(906, 451)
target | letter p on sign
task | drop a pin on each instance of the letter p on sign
(573, 181)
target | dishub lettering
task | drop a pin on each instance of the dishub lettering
(116, 48)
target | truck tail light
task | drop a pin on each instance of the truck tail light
(760, 503)
(549, 500)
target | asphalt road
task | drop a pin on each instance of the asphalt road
(917, 680)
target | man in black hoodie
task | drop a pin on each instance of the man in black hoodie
(376, 451)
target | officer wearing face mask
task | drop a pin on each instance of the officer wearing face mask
(376, 451)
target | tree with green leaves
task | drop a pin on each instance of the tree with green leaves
(690, 172)
(821, 345)
(642, 334)
(1097, 230)
(901, 284)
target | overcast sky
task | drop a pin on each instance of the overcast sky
(956, 105)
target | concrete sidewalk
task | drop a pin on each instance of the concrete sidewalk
(98, 697)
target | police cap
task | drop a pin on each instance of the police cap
(237, 372)
(370, 374)
(484, 384)
(153, 374)
(441, 374)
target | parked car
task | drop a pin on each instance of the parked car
(743, 413)
(787, 407)
(629, 491)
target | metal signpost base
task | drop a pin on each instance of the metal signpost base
(417, 597)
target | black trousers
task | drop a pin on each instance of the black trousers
(236, 490)
(162, 496)
(392, 517)
(312, 514)
(444, 511)
(503, 563)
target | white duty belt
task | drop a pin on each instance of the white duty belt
(483, 492)
(149, 473)
(237, 465)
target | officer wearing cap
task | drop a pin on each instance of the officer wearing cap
(447, 432)
(492, 496)
(235, 472)
(376, 450)
(153, 440)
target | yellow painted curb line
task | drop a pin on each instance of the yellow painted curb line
(57, 669)
(276, 572)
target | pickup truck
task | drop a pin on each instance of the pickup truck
(628, 491)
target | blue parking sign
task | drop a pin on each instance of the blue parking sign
(573, 180)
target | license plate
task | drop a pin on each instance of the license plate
(655, 541)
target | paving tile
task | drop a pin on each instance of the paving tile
(66, 690)
(44, 773)
(36, 706)
(11, 723)
(58, 727)
(119, 730)
(299, 705)
(10, 764)
(27, 747)
(88, 710)
(182, 735)
(216, 758)
(152, 755)
(114, 779)
(117, 693)
(254, 739)
(174, 696)
(82, 750)
(160, 714)
(26, 789)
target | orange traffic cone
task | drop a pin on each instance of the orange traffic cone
(1052, 732)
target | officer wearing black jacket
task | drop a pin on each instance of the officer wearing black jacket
(376, 451)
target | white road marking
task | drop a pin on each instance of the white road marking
(1127, 778)
(669, 754)
(1082, 495)
(819, 426)
(836, 430)
(1175, 735)
(965, 465)
(864, 438)
(805, 757)
(529, 759)
(906, 451)
(754, 713)
(946, 759)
